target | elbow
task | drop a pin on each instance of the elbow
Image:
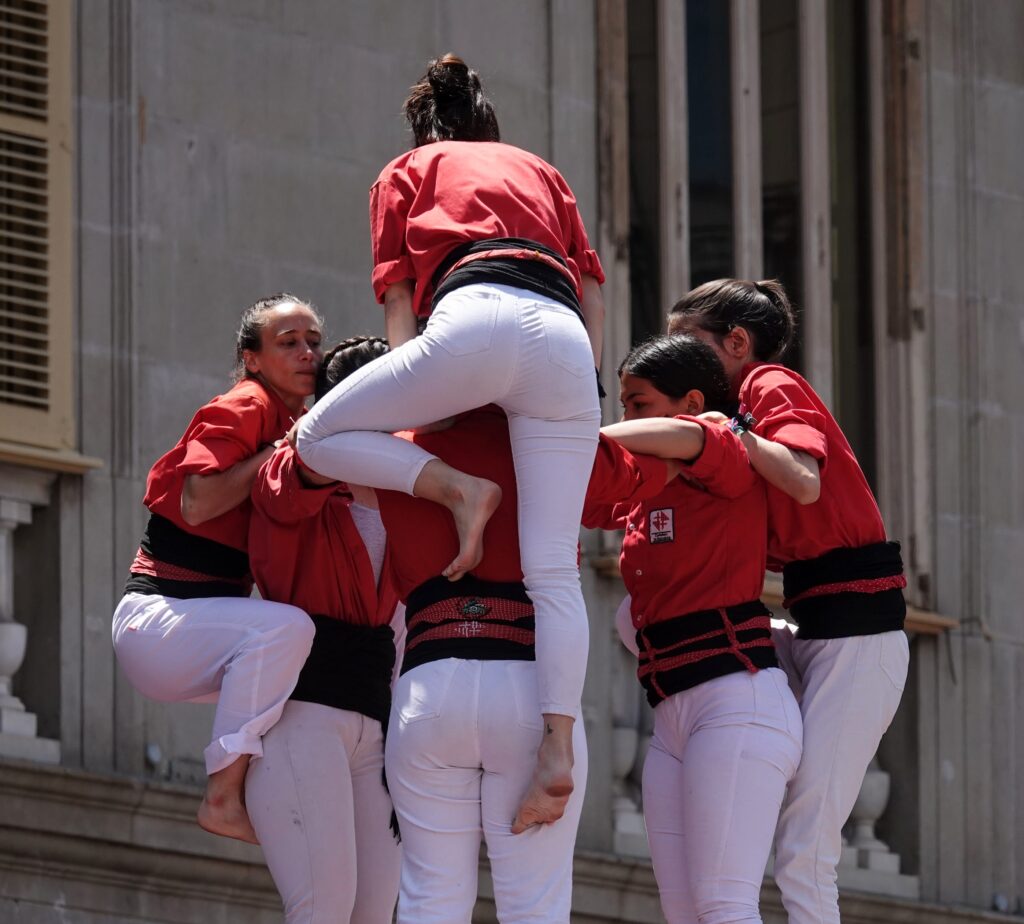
(808, 490)
(191, 509)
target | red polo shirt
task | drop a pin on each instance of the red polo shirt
(700, 543)
(438, 196)
(422, 535)
(788, 411)
(305, 549)
(231, 428)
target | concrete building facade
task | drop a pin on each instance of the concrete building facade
(165, 162)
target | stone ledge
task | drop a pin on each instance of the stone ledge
(85, 848)
(111, 849)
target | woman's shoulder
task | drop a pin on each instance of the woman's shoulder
(247, 396)
(760, 379)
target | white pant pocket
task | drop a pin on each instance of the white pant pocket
(464, 321)
(420, 694)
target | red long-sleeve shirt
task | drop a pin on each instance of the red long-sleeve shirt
(440, 195)
(698, 544)
(422, 535)
(789, 412)
(230, 428)
(305, 549)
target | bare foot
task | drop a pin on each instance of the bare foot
(544, 803)
(227, 820)
(472, 501)
(223, 807)
(550, 787)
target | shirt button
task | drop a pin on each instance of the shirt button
(638, 572)
(632, 525)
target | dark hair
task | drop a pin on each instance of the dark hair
(448, 104)
(250, 328)
(761, 307)
(345, 358)
(676, 364)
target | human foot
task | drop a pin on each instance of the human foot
(471, 501)
(226, 818)
(552, 783)
(222, 810)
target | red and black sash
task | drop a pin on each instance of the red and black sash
(684, 651)
(470, 618)
(847, 592)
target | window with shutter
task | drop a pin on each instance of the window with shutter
(35, 224)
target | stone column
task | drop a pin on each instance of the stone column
(19, 490)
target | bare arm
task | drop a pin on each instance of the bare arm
(399, 318)
(791, 471)
(593, 316)
(664, 437)
(204, 497)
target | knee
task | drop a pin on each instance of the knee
(294, 628)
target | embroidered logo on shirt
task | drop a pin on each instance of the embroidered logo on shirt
(662, 526)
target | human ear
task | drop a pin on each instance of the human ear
(251, 362)
(694, 402)
(737, 343)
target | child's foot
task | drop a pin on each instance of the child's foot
(472, 501)
(226, 818)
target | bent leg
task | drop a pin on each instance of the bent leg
(851, 690)
(250, 651)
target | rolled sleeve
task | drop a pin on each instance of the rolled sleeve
(723, 466)
(280, 494)
(389, 211)
(222, 435)
(786, 413)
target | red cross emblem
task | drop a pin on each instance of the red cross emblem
(663, 525)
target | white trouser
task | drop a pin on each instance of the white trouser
(318, 804)
(713, 782)
(461, 750)
(243, 654)
(849, 690)
(488, 344)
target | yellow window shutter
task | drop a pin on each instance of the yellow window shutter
(36, 224)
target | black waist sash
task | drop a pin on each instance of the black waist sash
(847, 592)
(679, 653)
(166, 542)
(349, 667)
(470, 618)
(532, 275)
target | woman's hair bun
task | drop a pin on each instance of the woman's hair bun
(449, 77)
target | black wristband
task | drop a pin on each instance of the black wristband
(742, 423)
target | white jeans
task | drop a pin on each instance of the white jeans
(713, 783)
(849, 690)
(488, 344)
(461, 750)
(243, 654)
(319, 807)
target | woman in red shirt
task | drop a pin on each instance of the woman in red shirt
(485, 240)
(186, 629)
(726, 725)
(317, 798)
(843, 580)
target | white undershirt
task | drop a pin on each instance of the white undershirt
(371, 530)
